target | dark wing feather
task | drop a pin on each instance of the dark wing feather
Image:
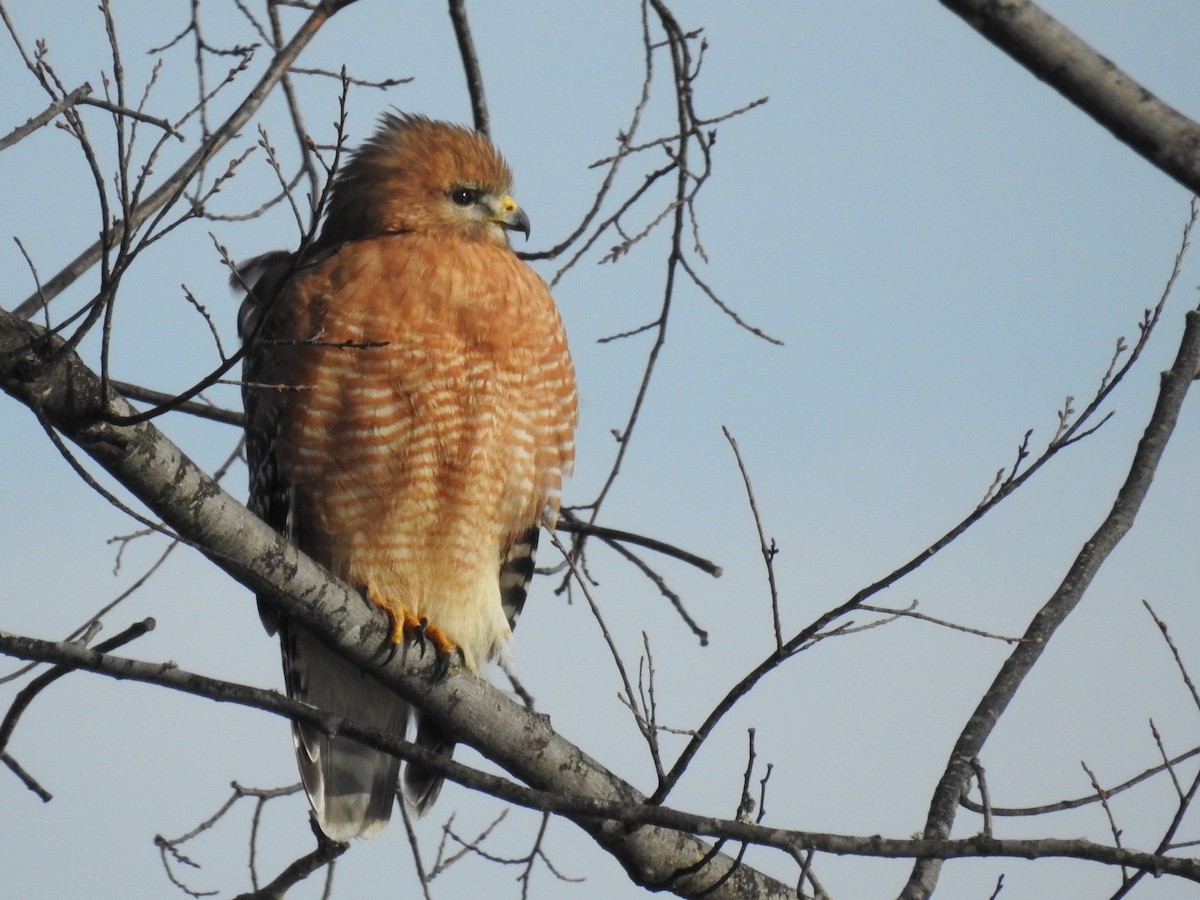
(270, 495)
(351, 787)
(516, 569)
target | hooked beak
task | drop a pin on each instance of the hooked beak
(512, 217)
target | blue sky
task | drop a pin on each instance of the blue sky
(947, 249)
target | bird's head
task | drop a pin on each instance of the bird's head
(418, 175)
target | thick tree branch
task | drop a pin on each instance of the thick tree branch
(65, 393)
(1043, 45)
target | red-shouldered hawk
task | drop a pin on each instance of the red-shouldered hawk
(410, 407)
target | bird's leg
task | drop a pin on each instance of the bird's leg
(404, 625)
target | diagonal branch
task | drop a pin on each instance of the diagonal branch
(65, 392)
(1157, 132)
(957, 775)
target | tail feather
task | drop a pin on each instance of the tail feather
(422, 785)
(350, 786)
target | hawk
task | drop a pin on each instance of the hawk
(410, 412)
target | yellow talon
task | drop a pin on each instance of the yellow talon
(406, 626)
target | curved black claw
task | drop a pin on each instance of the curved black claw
(387, 647)
(419, 633)
(387, 650)
(441, 666)
(444, 658)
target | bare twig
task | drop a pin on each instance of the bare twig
(985, 800)
(648, 712)
(658, 581)
(170, 848)
(470, 63)
(378, 83)
(1167, 764)
(768, 551)
(423, 877)
(1187, 678)
(171, 402)
(582, 582)
(911, 613)
(725, 307)
(46, 115)
(128, 113)
(324, 855)
(25, 778)
(572, 524)
(1077, 802)
(1108, 813)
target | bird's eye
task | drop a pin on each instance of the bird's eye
(464, 196)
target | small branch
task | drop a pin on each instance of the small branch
(133, 114)
(647, 732)
(648, 713)
(28, 780)
(571, 524)
(418, 864)
(1108, 813)
(184, 398)
(1167, 764)
(170, 848)
(467, 846)
(208, 320)
(27, 694)
(747, 806)
(985, 800)
(1187, 678)
(171, 402)
(379, 84)
(470, 61)
(1077, 802)
(325, 853)
(57, 107)
(768, 551)
(725, 307)
(911, 613)
(659, 582)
